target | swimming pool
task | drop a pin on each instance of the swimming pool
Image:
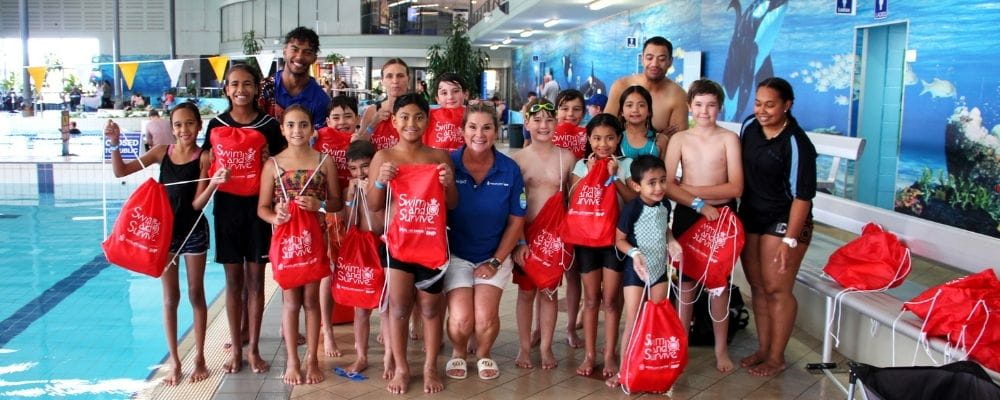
(71, 325)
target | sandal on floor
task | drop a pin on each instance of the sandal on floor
(456, 364)
(486, 364)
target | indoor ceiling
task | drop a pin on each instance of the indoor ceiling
(572, 14)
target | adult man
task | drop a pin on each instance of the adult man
(670, 110)
(157, 131)
(550, 88)
(293, 85)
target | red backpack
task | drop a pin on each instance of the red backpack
(711, 249)
(384, 136)
(657, 350)
(417, 232)
(444, 129)
(548, 256)
(241, 151)
(876, 260)
(571, 137)
(334, 143)
(140, 239)
(593, 209)
(298, 247)
(358, 277)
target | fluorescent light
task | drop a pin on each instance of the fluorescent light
(549, 23)
(494, 46)
(599, 4)
(400, 2)
(527, 32)
(507, 40)
(425, 5)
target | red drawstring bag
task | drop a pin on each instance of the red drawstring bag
(548, 256)
(593, 209)
(334, 143)
(966, 311)
(240, 150)
(711, 249)
(384, 136)
(140, 239)
(571, 137)
(876, 260)
(657, 350)
(298, 250)
(444, 129)
(417, 233)
(358, 277)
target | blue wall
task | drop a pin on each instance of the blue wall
(807, 44)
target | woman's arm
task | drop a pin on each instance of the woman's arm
(511, 234)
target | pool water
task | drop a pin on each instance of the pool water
(71, 325)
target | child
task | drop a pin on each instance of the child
(642, 227)
(359, 157)
(333, 139)
(573, 137)
(444, 131)
(178, 163)
(301, 177)
(635, 110)
(712, 176)
(242, 239)
(599, 266)
(409, 117)
(545, 169)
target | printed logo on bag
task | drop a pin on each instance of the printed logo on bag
(447, 133)
(237, 160)
(571, 142)
(590, 195)
(416, 210)
(384, 140)
(339, 156)
(711, 238)
(143, 227)
(296, 245)
(354, 275)
(660, 349)
(547, 244)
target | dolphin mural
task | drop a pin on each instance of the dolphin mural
(749, 58)
(592, 85)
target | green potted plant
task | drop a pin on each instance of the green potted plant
(457, 55)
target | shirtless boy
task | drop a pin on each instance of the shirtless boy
(712, 177)
(669, 107)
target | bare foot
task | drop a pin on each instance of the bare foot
(292, 374)
(234, 364)
(228, 346)
(536, 338)
(767, 368)
(257, 364)
(314, 374)
(573, 340)
(751, 360)
(414, 334)
(174, 376)
(523, 360)
(388, 367)
(614, 381)
(610, 368)
(330, 348)
(586, 367)
(579, 322)
(432, 381)
(301, 340)
(723, 363)
(398, 382)
(359, 365)
(201, 371)
(548, 359)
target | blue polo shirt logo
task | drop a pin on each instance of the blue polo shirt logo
(523, 199)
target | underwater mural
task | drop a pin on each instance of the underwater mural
(948, 167)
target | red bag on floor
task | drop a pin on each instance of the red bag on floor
(298, 250)
(571, 137)
(358, 277)
(657, 350)
(711, 249)
(966, 311)
(417, 232)
(444, 129)
(593, 209)
(384, 136)
(876, 260)
(140, 240)
(334, 143)
(240, 150)
(548, 256)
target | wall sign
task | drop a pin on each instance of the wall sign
(631, 42)
(845, 7)
(881, 9)
(130, 146)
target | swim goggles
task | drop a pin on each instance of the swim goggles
(541, 106)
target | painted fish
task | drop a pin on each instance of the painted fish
(840, 100)
(938, 88)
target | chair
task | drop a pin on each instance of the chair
(963, 380)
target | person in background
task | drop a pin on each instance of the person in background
(422, 90)
(67, 131)
(550, 88)
(157, 131)
(137, 102)
(532, 99)
(595, 105)
(292, 84)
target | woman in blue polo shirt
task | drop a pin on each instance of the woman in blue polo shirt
(483, 231)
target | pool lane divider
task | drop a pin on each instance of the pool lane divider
(49, 299)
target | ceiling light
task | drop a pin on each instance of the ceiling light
(400, 2)
(473, 1)
(549, 23)
(506, 41)
(599, 4)
(527, 32)
(494, 46)
(425, 5)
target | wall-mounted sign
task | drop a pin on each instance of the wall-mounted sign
(881, 9)
(845, 7)
(631, 42)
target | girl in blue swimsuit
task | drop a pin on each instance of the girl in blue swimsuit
(635, 112)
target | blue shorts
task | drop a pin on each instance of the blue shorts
(630, 278)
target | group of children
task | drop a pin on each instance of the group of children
(291, 169)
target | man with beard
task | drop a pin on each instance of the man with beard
(293, 85)
(670, 112)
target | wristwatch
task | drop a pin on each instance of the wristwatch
(494, 262)
(791, 242)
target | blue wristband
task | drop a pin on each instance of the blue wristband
(379, 185)
(697, 204)
(521, 242)
(348, 203)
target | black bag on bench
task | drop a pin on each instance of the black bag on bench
(700, 333)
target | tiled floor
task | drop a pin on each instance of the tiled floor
(699, 381)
